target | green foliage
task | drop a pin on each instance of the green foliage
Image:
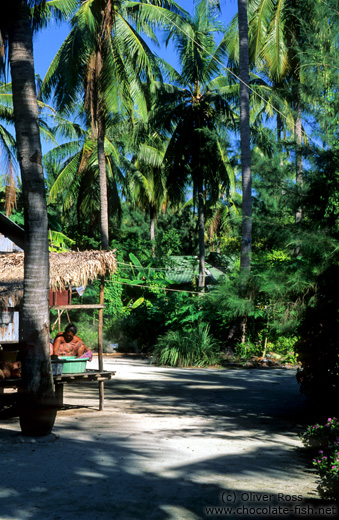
(113, 298)
(58, 241)
(137, 312)
(131, 235)
(18, 217)
(193, 347)
(290, 294)
(247, 350)
(171, 242)
(185, 311)
(230, 245)
(285, 345)
(280, 349)
(273, 257)
(176, 233)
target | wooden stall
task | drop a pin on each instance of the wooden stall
(67, 270)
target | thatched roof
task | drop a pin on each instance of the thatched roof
(73, 268)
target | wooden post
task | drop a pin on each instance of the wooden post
(100, 350)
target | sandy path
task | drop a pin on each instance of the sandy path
(169, 444)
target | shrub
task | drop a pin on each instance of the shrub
(325, 437)
(247, 350)
(193, 347)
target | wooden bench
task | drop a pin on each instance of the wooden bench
(89, 376)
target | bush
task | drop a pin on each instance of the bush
(193, 347)
(247, 350)
(325, 437)
(281, 349)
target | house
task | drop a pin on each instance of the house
(182, 270)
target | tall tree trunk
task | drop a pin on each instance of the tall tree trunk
(34, 323)
(295, 61)
(201, 224)
(104, 239)
(152, 227)
(245, 145)
(245, 251)
(298, 153)
(103, 183)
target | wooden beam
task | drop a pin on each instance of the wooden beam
(100, 349)
(84, 306)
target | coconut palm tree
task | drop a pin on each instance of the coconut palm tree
(245, 139)
(8, 162)
(17, 37)
(274, 37)
(146, 185)
(105, 61)
(72, 169)
(194, 112)
(9, 168)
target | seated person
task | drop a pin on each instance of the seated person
(67, 343)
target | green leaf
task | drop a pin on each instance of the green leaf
(138, 302)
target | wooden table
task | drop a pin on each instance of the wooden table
(84, 377)
(89, 376)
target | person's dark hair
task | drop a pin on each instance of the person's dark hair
(71, 328)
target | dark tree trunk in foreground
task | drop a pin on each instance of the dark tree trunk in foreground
(38, 412)
(245, 260)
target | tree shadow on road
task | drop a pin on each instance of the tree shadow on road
(165, 448)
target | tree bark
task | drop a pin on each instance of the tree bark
(298, 152)
(34, 323)
(152, 227)
(103, 183)
(100, 343)
(245, 251)
(201, 223)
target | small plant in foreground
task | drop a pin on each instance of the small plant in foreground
(325, 437)
(321, 435)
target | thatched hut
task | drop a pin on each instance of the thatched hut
(68, 269)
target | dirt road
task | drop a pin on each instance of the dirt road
(171, 444)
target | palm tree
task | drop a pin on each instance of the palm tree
(72, 170)
(194, 112)
(8, 163)
(8, 150)
(16, 34)
(106, 62)
(146, 185)
(274, 35)
(245, 139)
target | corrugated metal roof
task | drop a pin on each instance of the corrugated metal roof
(183, 269)
(12, 231)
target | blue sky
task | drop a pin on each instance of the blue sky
(48, 41)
